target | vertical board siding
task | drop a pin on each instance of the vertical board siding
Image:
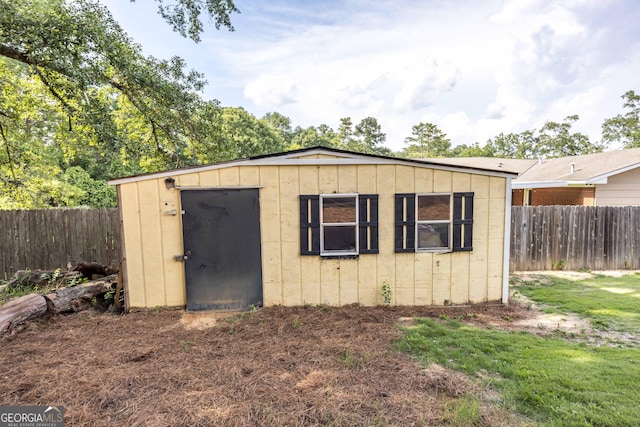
(48, 239)
(575, 237)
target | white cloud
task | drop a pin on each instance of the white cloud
(475, 69)
(271, 91)
(422, 83)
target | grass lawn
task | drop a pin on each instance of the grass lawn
(551, 381)
(608, 302)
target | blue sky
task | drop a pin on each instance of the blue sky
(473, 68)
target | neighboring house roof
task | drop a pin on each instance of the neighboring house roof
(578, 170)
(335, 157)
(560, 172)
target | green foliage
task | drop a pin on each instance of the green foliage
(280, 125)
(512, 145)
(557, 264)
(473, 150)
(426, 141)
(556, 140)
(184, 15)
(75, 91)
(624, 128)
(552, 140)
(386, 293)
(368, 136)
(245, 136)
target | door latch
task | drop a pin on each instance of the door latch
(182, 257)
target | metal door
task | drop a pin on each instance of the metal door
(223, 262)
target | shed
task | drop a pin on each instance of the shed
(315, 226)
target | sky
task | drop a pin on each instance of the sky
(474, 68)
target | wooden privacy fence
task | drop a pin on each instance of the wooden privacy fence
(542, 238)
(48, 239)
(575, 237)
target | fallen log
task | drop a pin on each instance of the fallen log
(20, 310)
(79, 297)
(88, 269)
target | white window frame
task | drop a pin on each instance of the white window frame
(440, 221)
(354, 224)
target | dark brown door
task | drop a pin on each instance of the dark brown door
(221, 232)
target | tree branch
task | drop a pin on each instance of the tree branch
(6, 146)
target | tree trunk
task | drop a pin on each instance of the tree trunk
(79, 297)
(18, 311)
(88, 269)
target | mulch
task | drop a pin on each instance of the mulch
(300, 366)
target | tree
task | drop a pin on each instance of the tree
(322, 136)
(280, 124)
(369, 136)
(344, 137)
(556, 140)
(76, 49)
(512, 145)
(426, 140)
(473, 150)
(624, 128)
(245, 136)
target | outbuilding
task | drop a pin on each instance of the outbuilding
(315, 226)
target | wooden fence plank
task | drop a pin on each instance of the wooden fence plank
(575, 237)
(48, 239)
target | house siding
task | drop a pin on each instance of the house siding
(152, 237)
(621, 190)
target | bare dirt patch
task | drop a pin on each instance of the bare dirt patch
(276, 366)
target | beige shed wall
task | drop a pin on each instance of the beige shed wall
(152, 236)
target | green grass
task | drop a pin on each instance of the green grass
(550, 380)
(609, 302)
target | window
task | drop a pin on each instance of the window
(433, 222)
(338, 224)
(433, 219)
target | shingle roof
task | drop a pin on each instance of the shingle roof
(559, 172)
(583, 169)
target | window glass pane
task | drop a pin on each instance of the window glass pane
(338, 209)
(434, 207)
(433, 236)
(337, 238)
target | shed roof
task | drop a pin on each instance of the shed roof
(518, 166)
(301, 157)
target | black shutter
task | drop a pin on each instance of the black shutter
(405, 225)
(462, 222)
(368, 223)
(310, 220)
